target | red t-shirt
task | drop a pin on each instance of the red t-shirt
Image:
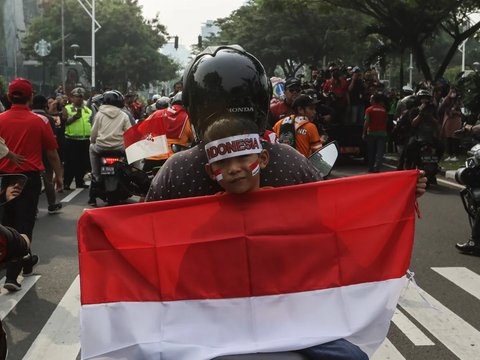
(26, 134)
(377, 117)
(280, 110)
(339, 89)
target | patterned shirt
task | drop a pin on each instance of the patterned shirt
(183, 175)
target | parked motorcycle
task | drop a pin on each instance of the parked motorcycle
(425, 159)
(110, 188)
(469, 176)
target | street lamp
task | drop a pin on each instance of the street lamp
(87, 58)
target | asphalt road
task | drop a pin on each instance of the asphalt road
(42, 319)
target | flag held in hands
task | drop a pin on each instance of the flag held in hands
(273, 270)
(145, 139)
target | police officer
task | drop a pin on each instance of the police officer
(77, 117)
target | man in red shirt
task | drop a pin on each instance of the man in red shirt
(335, 90)
(26, 134)
(282, 109)
(375, 133)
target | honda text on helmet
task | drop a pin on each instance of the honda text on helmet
(225, 80)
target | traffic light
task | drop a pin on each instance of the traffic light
(176, 42)
(199, 41)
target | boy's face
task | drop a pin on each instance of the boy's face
(237, 177)
(308, 112)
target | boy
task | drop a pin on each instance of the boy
(298, 130)
(235, 158)
(235, 155)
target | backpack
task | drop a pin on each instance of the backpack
(287, 131)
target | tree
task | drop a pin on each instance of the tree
(413, 24)
(126, 45)
(290, 33)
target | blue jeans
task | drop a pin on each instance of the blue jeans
(375, 151)
(334, 350)
(358, 114)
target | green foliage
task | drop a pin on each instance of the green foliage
(290, 33)
(452, 74)
(414, 24)
(126, 45)
(3, 85)
(469, 86)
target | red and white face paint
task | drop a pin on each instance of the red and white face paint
(234, 146)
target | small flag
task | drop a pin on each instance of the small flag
(145, 139)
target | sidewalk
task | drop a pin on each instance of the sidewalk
(447, 169)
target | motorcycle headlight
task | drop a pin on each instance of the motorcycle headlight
(463, 176)
(474, 150)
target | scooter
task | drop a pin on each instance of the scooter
(110, 189)
(425, 159)
(469, 176)
(429, 161)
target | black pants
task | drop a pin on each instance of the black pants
(20, 215)
(452, 146)
(77, 161)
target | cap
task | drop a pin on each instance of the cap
(20, 88)
(78, 91)
(356, 69)
(303, 101)
(292, 82)
(407, 88)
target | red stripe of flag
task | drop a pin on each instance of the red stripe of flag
(301, 238)
(141, 131)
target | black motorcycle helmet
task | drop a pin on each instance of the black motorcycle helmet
(114, 97)
(224, 80)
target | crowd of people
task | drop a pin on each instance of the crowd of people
(61, 136)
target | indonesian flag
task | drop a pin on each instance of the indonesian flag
(145, 139)
(272, 270)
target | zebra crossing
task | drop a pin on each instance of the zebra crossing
(60, 337)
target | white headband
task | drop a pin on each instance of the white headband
(233, 146)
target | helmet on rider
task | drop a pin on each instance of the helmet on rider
(177, 99)
(422, 96)
(97, 99)
(225, 80)
(162, 103)
(114, 97)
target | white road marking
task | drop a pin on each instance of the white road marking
(414, 334)
(8, 300)
(387, 351)
(462, 277)
(461, 338)
(60, 337)
(72, 195)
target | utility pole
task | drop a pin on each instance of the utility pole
(93, 45)
(63, 45)
(91, 13)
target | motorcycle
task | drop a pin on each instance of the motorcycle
(425, 159)
(469, 176)
(110, 188)
(136, 180)
(429, 161)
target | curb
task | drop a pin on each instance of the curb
(448, 174)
